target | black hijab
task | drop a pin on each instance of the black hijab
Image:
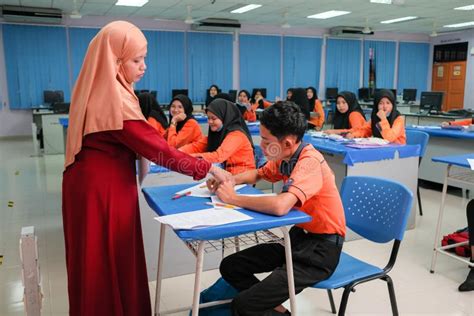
(289, 90)
(188, 110)
(314, 98)
(383, 93)
(243, 107)
(301, 99)
(260, 102)
(150, 107)
(209, 99)
(231, 119)
(341, 120)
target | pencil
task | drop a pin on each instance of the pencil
(177, 196)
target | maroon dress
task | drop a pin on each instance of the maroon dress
(104, 248)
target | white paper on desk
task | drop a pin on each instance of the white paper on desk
(471, 163)
(203, 218)
(201, 190)
(427, 126)
(143, 169)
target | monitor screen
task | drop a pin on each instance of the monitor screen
(175, 92)
(409, 95)
(363, 94)
(233, 95)
(331, 93)
(60, 107)
(431, 100)
(50, 96)
(154, 94)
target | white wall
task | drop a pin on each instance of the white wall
(456, 37)
(18, 122)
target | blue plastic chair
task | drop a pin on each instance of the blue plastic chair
(378, 210)
(418, 138)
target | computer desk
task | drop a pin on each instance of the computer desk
(466, 178)
(159, 199)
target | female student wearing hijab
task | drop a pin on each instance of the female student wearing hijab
(104, 249)
(184, 129)
(348, 114)
(213, 91)
(247, 109)
(258, 101)
(228, 141)
(386, 122)
(317, 117)
(153, 112)
(299, 97)
(289, 93)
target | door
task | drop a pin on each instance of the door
(450, 77)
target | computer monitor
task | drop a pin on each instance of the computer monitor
(409, 95)
(175, 92)
(264, 92)
(233, 95)
(331, 93)
(394, 91)
(431, 101)
(50, 96)
(60, 107)
(154, 94)
(363, 94)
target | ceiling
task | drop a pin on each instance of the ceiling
(433, 14)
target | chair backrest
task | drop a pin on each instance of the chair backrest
(418, 138)
(376, 208)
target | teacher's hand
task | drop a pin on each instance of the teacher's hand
(221, 175)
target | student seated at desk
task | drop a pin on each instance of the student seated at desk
(317, 117)
(258, 101)
(213, 91)
(184, 129)
(289, 93)
(348, 114)
(153, 112)
(468, 285)
(300, 98)
(309, 185)
(228, 141)
(465, 122)
(247, 109)
(386, 122)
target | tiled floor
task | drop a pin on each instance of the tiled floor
(34, 185)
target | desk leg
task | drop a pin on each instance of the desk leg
(159, 269)
(197, 278)
(440, 219)
(289, 270)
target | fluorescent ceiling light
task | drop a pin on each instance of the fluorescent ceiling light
(466, 8)
(246, 8)
(460, 24)
(131, 3)
(406, 18)
(382, 1)
(328, 14)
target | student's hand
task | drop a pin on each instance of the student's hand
(226, 192)
(317, 128)
(221, 175)
(349, 136)
(212, 185)
(332, 131)
(314, 114)
(381, 114)
(178, 118)
(444, 124)
(258, 98)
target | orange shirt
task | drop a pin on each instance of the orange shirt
(266, 104)
(356, 120)
(314, 185)
(251, 115)
(318, 108)
(465, 122)
(394, 134)
(190, 132)
(156, 125)
(235, 150)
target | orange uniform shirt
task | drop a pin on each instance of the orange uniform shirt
(395, 134)
(356, 120)
(465, 122)
(314, 185)
(191, 132)
(318, 108)
(251, 115)
(235, 150)
(156, 125)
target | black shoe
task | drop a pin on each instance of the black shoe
(468, 285)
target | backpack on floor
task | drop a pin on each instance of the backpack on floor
(457, 237)
(221, 290)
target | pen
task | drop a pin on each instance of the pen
(221, 205)
(177, 196)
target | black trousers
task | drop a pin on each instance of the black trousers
(314, 259)
(470, 222)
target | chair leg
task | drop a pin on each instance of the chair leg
(419, 199)
(344, 299)
(331, 301)
(391, 292)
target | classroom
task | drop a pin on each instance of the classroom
(214, 157)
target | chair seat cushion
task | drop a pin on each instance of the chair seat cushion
(348, 270)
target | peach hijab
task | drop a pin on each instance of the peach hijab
(103, 97)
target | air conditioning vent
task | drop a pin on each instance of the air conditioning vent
(31, 14)
(349, 31)
(216, 25)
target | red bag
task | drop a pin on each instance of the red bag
(457, 237)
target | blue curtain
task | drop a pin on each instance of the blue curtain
(165, 64)
(36, 60)
(413, 63)
(343, 64)
(301, 62)
(260, 60)
(384, 63)
(209, 57)
(79, 39)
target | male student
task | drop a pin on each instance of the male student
(309, 185)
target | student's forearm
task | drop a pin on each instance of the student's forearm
(273, 205)
(250, 177)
